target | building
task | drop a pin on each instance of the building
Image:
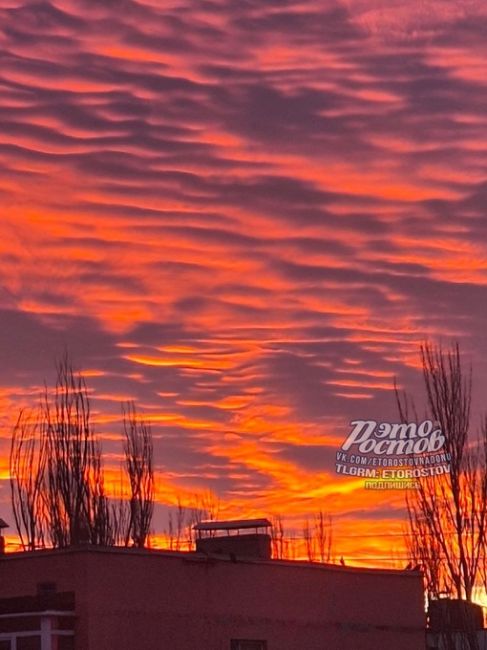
(94, 598)
(455, 624)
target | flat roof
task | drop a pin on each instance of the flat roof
(192, 556)
(234, 524)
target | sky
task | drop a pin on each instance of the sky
(244, 216)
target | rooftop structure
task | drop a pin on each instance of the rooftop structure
(258, 525)
(236, 538)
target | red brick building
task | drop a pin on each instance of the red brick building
(92, 598)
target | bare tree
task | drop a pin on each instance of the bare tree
(278, 541)
(27, 466)
(57, 484)
(76, 503)
(318, 538)
(447, 513)
(309, 541)
(323, 529)
(176, 527)
(204, 507)
(139, 453)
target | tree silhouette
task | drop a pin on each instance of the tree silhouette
(28, 459)
(447, 514)
(75, 495)
(139, 453)
(56, 473)
(318, 538)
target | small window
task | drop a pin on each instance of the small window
(248, 644)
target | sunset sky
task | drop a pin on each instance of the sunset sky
(245, 216)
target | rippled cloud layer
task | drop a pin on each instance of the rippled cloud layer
(245, 216)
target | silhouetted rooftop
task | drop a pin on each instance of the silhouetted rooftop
(235, 524)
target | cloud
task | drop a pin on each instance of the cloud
(245, 216)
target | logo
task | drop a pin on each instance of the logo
(393, 455)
